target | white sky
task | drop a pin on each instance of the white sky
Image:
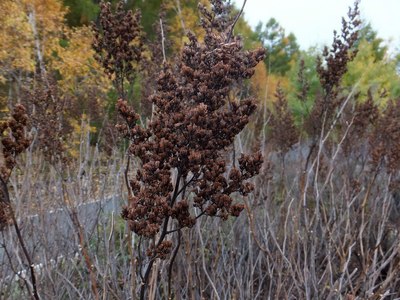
(313, 21)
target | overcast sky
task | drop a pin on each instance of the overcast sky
(313, 21)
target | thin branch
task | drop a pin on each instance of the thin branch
(162, 41)
(6, 195)
(180, 228)
(126, 171)
(172, 263)
(235, 21)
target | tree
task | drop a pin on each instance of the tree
(304, 84)
(15, 34)
(368, 34)
(80, 12)
(182, 17)
(16, 49)
(373, 69)
(80, 78)
(371, 75)
(281, 49)
(47, 53)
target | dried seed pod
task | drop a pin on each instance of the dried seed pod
(14, 141)
(196, 119)
(118, 42)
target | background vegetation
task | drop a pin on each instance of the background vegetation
(322, 221)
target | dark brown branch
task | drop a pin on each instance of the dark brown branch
(126, 172)
(6, 196)
(171, 264)
(235, 21)
(12, 266)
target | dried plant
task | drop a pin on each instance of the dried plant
(49, 120)
(183, 152)
(14, 141)
(48, 112)
(336, 232)
(324, 229)
(283, 134)
(385, 140)
(328, 105)
(303, 82)
(118, 44)
(363, 117)
(334, 65)
(330, 71)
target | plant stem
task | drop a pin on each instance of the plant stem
(172, 263)
(163, 234)
(6, 195)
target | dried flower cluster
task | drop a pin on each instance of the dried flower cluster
(341, 52)
(363, 119)
(222, 23)
(4, 214)
(118, 44)
(331, 70)
(303, 82)
(284, 133)
(48, 118)
(161, 251)
(184, 149)
(14, 141)
(385, 139)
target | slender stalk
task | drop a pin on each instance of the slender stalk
(236, 19)
(163, 234)
(82, 242)
(126, 171)
(171, 264)
(6, 196)
(143, 288)
(163, 41)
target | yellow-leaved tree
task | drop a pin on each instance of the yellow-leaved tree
(81, 77)
(368, 73)
(15, 39)
(37, 48)
(16, 49)
(183, 17)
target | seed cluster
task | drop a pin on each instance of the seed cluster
(118, 42)
(183, 151)
(14, 141)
